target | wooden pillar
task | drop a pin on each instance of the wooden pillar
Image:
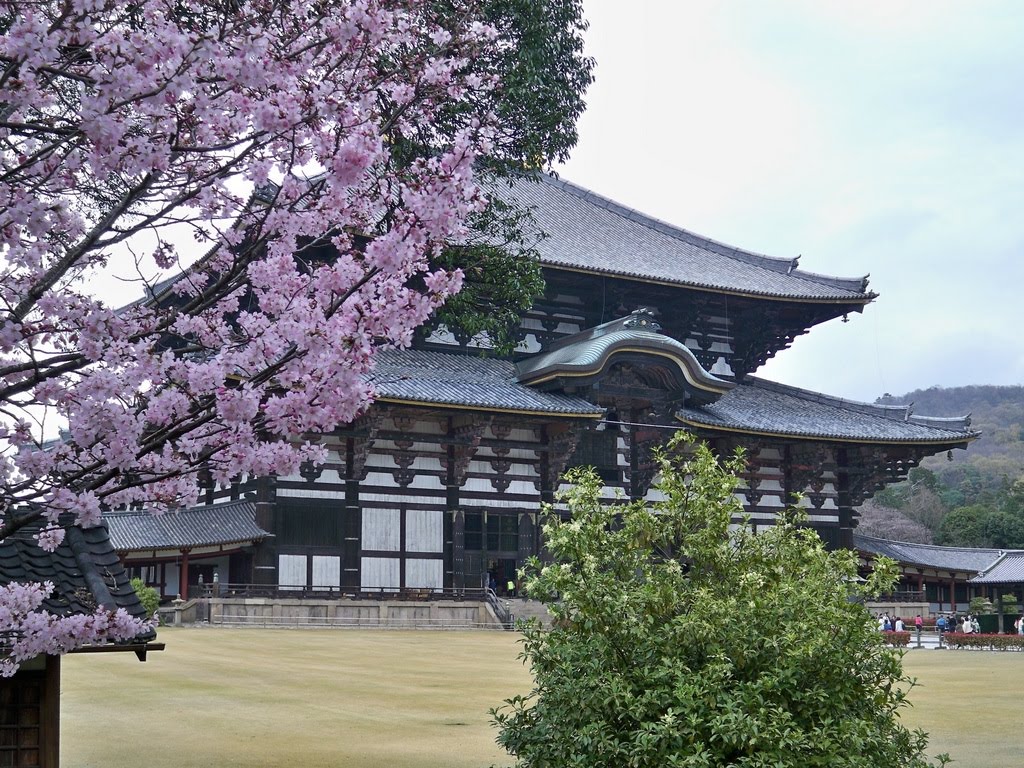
(952, 594)
(454, 522)
(844, 499)
(458, 534)
(351, 524)
(264, 561)
(634, 460)
(183, 575)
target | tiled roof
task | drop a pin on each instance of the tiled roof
(466, 380)
(587, 353)
(85, 571)
(1008, 569)
(232, 522)
(762, 407)
(944, 558)
(591, 233)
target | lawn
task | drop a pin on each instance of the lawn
(254, 697)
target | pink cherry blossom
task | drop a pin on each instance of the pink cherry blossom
(174, 172)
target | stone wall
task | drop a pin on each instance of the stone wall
(396, 614)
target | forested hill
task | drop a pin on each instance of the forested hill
(977, 497)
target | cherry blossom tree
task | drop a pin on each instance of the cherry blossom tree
(271, 184)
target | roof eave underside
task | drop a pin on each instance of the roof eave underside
(845, 304)
(426, 403)
(941, 443)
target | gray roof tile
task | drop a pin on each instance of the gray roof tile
(765, 407)
(944, 558)
(588, 232)
(232, 522)
(466, 380)
(1008, 569)
(85, 571)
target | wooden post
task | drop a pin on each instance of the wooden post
(50, 713)
(183, 575)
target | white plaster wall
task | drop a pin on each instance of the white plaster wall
(381, 530)
(326, 571)
(424, 574)
(380, 573)
(424, 531)
(291, 570)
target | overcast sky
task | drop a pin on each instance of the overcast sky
(870, 137)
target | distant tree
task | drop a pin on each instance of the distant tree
(883, 522)
(1004, 530)
(965, 527)
(923, 477)
(678, 640)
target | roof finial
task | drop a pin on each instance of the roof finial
(793, 264)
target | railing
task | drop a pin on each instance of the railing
(907, 596)
(500, 609)
(279, 592)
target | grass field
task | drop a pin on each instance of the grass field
(252, 697)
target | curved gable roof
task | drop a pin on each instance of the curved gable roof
(590, 352)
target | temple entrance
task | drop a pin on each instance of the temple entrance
(505, 571)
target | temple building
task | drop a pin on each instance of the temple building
(645, 328)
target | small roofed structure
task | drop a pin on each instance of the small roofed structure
(87, 575)
(175, 550)
(947, 578)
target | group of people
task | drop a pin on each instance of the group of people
(967, 624)
(888, 623)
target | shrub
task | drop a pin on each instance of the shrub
(985, 641)
(148, 596)
(981, 605)
(897, 639)
(679, 642)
